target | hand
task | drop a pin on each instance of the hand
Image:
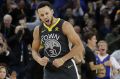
(58, 62)
(13, 6)
(18, 28)
(115, 71)
(3, 48)
(107, 63)
(22, 23)
(43, 61)
(77, 59)
(101, 66)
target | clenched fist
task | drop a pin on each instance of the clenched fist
(58, 62)
(43, 61)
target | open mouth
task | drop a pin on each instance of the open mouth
(102, 50)
(47, 22)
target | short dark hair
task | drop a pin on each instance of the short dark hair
(89, 35)
(43, 4)
(21, 16)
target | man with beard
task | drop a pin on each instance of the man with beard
(53, 35)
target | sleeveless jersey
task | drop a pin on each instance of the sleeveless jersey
(98, 61)
(55, 43)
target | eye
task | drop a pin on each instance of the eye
(42, 15)
(46, 13)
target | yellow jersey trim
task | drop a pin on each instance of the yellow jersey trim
(51, 27)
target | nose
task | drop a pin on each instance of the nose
(45, 16)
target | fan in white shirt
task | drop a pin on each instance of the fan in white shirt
(116, 55)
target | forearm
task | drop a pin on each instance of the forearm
(75, 51)
(96, 67)
(35, 56)
(32, 25)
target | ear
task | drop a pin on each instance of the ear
(52, 11)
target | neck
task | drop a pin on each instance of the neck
(54, 20)
(91, 47)
(103, 53)
(7, 25)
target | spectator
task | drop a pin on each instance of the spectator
(5, 54)
(103, 58)
(116, 55)
(8, 30)
(60, 6)
(21, 51)
(117, 18)
(32, 25)
(111, 9)
(3, 72)
(8, 7)
(113, 39)
(106, 28)
(34, 4)
(89, 68)
(78, 14)
(25, 9)
(90, 25)
(68, 14)
(72, 21)
(6, 24)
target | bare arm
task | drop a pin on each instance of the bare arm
(35, 48)
(78, 48)
(36, 44)
(95, 67)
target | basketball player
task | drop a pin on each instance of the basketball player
(53, 35)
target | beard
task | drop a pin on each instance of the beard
(50, 21)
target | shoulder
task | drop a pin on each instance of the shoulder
(66, 24)
(36, 31)
(116, 53)
(67, 27)
(87, 50)
(36, 28)
(112, 58)
(7, 78)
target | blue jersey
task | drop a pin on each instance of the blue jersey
(98, 61)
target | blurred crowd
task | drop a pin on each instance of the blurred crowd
(19, 17)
